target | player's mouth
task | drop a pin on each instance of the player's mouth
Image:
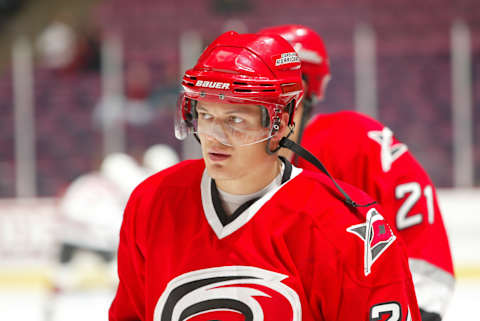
(217, 156)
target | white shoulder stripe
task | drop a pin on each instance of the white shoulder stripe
(433, 286)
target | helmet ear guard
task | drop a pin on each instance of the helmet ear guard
(290, 110)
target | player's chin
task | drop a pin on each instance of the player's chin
(219, 171)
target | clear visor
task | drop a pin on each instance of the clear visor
(229, 120)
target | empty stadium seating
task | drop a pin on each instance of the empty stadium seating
(413, 78)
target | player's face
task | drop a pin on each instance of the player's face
(233, 161)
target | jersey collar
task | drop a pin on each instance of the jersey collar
(224, 225)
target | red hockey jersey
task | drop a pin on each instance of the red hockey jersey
(297, 253)
(361, 151)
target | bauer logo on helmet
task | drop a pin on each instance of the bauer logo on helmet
(212, 84)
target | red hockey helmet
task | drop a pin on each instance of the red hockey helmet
(242, 69)
(311, 49)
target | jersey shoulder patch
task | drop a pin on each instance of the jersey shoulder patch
(376, 235)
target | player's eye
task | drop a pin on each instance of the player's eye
(205, 116)
(236, 120)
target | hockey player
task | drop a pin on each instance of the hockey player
(91, 212)
(242, 234)
(90, 215)
(363, 152)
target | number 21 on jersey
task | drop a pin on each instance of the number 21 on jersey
(412, 192)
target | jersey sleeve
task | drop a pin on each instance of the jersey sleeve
(369, 279)
(410, 201)
(128, 303)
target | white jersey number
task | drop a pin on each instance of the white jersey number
(414, 192)
(390, 308)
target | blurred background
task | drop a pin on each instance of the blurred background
(88, 93)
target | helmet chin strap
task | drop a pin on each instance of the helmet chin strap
(305, 154)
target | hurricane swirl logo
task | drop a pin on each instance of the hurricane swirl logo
(228, 293)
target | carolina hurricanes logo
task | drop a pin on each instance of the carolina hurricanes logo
(389, 152)
(228, 293)
(376, 235)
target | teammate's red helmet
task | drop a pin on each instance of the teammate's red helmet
(237, 68)
(311, 49)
